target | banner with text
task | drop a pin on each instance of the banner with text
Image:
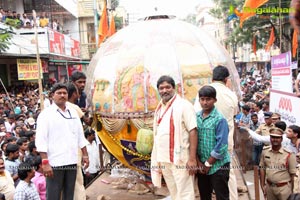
(61, 44)
(56, 42)
(281, 72)
(27, 69)
(287, 105)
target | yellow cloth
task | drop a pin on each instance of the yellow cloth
(44, 22)
(7, 186)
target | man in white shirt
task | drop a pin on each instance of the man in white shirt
(175, 142)
(289, 139)
(79, 191)
(93, 151)
(260, 113)
(227, 104)
(59, 134)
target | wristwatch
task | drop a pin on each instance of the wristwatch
(207, 164)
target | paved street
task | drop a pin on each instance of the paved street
(249, 177)
(103, 186)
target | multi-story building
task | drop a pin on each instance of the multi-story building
(88, 24)
(59, 49)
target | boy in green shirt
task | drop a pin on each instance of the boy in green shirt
(213, 156)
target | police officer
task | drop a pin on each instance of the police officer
(276, 117)
(264, 129)
(277, 168)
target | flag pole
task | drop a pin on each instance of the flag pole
(38, 62)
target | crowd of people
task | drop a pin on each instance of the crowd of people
(17, 20)
(207, 153)
(189, 140)
(275, 145)
(33, 155)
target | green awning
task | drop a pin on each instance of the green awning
(71, 62)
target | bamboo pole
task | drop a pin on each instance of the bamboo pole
(38, 60)
(256, 182)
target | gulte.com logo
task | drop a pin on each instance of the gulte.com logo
(233, 13)
(271, 11)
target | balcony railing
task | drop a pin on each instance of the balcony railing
(23, 42)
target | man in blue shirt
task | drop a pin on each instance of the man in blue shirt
(246, 116)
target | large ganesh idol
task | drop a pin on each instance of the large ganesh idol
(122, 78)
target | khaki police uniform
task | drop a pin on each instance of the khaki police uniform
(278, 166)
(276, 116)
(264, 129)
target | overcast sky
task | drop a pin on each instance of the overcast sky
(179, 8)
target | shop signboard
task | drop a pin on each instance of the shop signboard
(27, 69)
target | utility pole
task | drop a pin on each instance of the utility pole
(96, 23)
(280, 28)
(38, 61)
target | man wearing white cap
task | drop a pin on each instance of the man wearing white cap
(31, 123)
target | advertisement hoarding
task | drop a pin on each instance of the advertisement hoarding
(27, 69)
(281, 72)
(287, 105)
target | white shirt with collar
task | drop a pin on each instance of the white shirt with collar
(60, 134)
(286, 142)
(94, 160)
(260, 116)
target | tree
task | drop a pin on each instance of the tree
(5, 37)
(259, 25)
(191, 18)
(118, 22)
(114, 4)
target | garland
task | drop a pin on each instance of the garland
(127, 150)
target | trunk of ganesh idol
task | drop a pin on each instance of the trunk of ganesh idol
(122, 77)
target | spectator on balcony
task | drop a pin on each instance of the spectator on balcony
(8, 14)
(25, 19)
(11, 19)
(19, 21)
(37, 22)
(14, 15)
(43, 21)
(4, 15)
(27, 25)
(1, 14)
(55, 25)
(59, 27)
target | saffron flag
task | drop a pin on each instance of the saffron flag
(254, 44)
(112, 27)
(295, 43)
(271, 40)
(249, 9)
(103, 26)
